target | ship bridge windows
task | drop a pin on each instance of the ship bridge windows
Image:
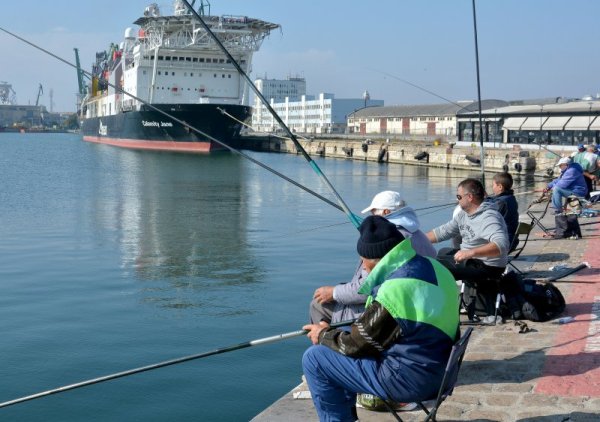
(168, 58)
(195, 59)
(161, 57)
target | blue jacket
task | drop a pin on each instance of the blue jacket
(509, 209)
(409, 326)
(571, 179)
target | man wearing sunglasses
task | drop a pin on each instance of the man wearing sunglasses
(484, 245)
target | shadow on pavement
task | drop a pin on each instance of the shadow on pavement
(527, 366)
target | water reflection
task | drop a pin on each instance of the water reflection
(179, 222)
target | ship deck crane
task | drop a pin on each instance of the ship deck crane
(82, 88)
(40, 92)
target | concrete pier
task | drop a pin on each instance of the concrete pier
(551, 373)
(513, 158)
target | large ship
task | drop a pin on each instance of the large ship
(172, 63)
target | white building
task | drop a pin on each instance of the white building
(303, 113)
(278, 89)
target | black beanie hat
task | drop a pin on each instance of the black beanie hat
(377, 237)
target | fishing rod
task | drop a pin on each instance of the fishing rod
(353, 218)
(547, 149)
(181, 122)
(478, 94)
(251, 343)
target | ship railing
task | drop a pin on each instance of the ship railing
(188, 65)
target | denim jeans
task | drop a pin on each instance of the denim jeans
(557, 195)
(335, 379)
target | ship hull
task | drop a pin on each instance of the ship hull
(151, 130)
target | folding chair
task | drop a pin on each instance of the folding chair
(536, 219)
(449, 379)
(523, 229)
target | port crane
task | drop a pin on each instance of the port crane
(40, 92)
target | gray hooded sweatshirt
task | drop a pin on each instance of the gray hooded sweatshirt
(485, 225)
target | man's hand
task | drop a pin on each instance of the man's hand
(324, 294)
(463, 255)
(314, 330)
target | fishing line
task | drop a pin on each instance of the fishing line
(418, 87)
(251, 343)
(353, 218)
(232, 117)
(181, 122)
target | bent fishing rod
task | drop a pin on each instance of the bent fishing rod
(251, 343)
(353, 218)
(181, 122)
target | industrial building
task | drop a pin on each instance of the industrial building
(429, 120)
(561, 122)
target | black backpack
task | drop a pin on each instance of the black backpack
(543, 301)
(530, 299)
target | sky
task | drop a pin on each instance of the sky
(527, 48)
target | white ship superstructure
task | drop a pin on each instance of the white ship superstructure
(171, 62)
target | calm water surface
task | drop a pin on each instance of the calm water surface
(113, 259)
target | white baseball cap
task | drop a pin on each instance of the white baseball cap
(564, 160)
(387, 199)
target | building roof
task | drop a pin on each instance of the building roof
(573, 107)
(408, 110)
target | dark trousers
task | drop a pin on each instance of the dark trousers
(481, 282)
(590, 187)
(471, 269)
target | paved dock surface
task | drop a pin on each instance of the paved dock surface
(551, 373)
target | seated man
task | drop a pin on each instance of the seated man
(484, 247)
(587, 159)
(343, 302)
(570, 182)
(505, 201)
(398, 348)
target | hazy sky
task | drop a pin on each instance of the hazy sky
(527, 48)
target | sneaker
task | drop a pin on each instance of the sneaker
(370, 402)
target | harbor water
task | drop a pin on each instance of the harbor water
(112, 259)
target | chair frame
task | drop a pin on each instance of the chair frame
(449, 379)
(537, 219)
(522, 229)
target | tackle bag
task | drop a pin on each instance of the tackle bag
(566, 226)
(543, 300)
(530, 299)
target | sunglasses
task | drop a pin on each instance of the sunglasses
(459, 197)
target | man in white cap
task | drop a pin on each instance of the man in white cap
(343, 302)
(570, 182)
